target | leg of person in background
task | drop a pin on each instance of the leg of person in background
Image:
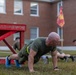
(65, 56)
(72, 58)
(45, 59)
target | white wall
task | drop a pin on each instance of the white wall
(62, 48)
(4, 48)
(67, 47)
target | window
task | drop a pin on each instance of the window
(59, 4)
(18, 7)
(34, 33)
(2, 6)
(16, 35)
(34, 9)
(60, 32)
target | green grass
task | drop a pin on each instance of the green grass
(4, 53)
(70, 52)
(66, 68)
(8, 52)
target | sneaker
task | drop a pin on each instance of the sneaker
(17, 63)
(7, 62)
(66, 58)
(72, 57)
(47, 59)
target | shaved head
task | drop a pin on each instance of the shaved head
(52, 39)
(53, 36)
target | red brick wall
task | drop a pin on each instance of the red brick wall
(46, 20)
(70, 21)
(43, 21)
(69, 29)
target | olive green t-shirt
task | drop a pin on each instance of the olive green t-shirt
(39, 45)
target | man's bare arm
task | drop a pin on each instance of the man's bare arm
(54, 59)
(31, 60)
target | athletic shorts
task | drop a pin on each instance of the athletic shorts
(23, 55)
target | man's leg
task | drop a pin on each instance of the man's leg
(9, 58)
(45, 59)
(16, 58)
(67, 57)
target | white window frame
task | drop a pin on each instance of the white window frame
(37, 34)
(21, 7)
(3, 7)
(37, 10)
(59, 4)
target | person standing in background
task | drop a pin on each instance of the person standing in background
(16, 44)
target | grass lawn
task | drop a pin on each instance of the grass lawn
(4, 53)
(66, 68)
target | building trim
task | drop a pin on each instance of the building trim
(62, 48)
(51, 1)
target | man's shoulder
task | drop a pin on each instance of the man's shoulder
(40, 38)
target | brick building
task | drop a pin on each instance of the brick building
(40, 17)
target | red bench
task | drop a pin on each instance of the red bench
(8, 29)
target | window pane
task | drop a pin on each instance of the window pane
(34, 8)
(1, 10)
(1, 2)
(16, 35)
(17, 11)
(18, 6)
(33, 12)
(59, 32)
(2, 6)
(59, 4)
(33, 33)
